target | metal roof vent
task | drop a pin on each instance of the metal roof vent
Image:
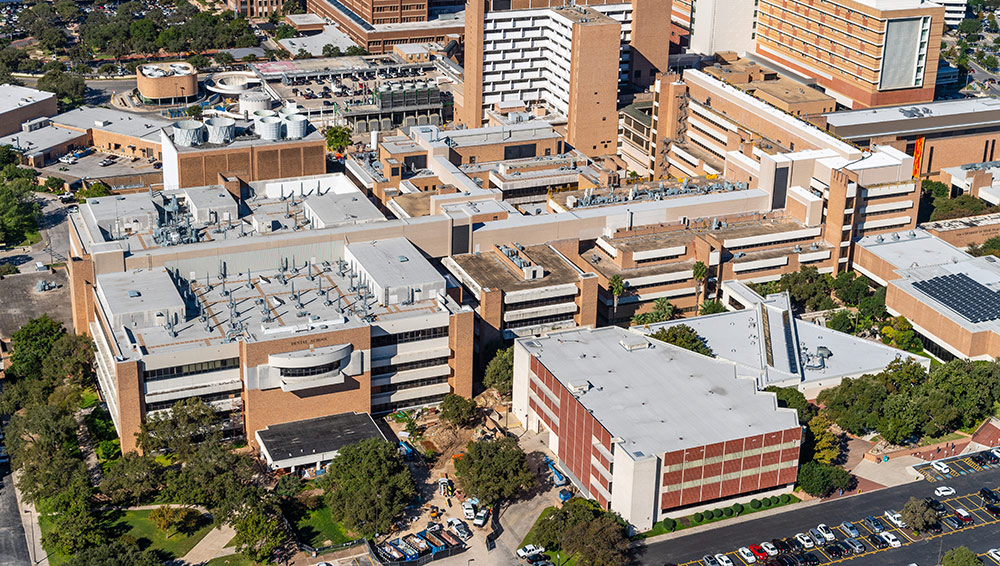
(133, 294)
(633, 343)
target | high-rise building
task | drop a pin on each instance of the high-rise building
(865, 53)
(563, 58)
(378, 25)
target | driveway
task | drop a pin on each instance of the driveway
(54, 247)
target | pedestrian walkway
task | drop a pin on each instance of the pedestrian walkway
(32, 530)
(213, 545)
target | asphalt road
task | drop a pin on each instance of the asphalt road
(13, 546)
(54, 247)
(980, 538)
(99, 91)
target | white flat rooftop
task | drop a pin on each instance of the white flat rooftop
(913, 248)
(658, 398)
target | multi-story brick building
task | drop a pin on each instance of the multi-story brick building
(637, 424)
(378, 25)
(865, 53)
(20, 104)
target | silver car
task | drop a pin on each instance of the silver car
(856, 546)
(816, 537)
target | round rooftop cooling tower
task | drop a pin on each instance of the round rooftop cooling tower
(269, 128)
(296, 126)
(259, 114)
(153, 71)
(254, 100)
(289, 110)
(189, 133)
(220, 130)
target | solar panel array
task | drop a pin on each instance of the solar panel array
(962, 294)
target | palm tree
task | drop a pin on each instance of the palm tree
(617, 286)
(699, 271)
(662, 310)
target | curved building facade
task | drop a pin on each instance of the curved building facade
(167, 83)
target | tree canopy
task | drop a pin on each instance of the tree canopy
(808, 288)
(961, 556)
(31, 344)
(18, 208)
(458, 410)
(662, 310)
(500, 371)
(792, 398)
(337, 138)
(683, 336)
(494, 470)
(178, 432)
(367, 486)
(818, 479)
(918, 515)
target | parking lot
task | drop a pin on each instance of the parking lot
(982, 535)
(88, 167)
(959, 465)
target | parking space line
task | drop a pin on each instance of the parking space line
(981, 514)
(740, 558)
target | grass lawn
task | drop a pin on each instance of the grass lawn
(529, 538)
(88, 398)
(316, 528)
(232, 560)
(944, 438)
(138, 525)
(30, 238)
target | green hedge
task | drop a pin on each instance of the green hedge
(717, 513)
(669, 524)
(737, 508)
(728, 511)
(755, 504)
(698, 517)
(785, 498)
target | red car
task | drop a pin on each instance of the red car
(758, 552)
(963, 515)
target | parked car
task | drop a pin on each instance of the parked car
(952, 522)
(934, 528)
(895, 518)
(469, 509)
(941, 467)
(459, 528)
(758, 552)
(536, 559)
(793, 544)
(816, 537)
(877, 541)
(709, 560)
(826, 532)
(856, 546)
(834, 550)
(781, 545)
(723, 560)
(811, 559)
(994, 553)
(529, 549)
(482, 517)
(804, 540)
(891, 539)
(769, 548)
(989, 496)
(746, 555)
(944, 491)
(850, 529)
(937, 506)
(874, 524)
(963, 516)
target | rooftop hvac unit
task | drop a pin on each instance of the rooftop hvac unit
(269, 128)
(220, 130)
(189, 133)
(153, 71)
(296, 126)
(289, 110)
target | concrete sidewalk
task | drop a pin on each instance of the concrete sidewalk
(32, 530)
(211, 546)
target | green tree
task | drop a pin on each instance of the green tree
(842, 321)
(552, 527)
(164, 518)
(458, 410)
(68, 87)
(711, 307)
(825, 442)
(31, 343)
(494, 470)
(179, 431)
(792, 398)
(602, 541)
(95, 190)
(330, 50)
(617, 286)
(54, 184)
(959, 207)
(302, 54)
(259, 536)
(8, 156)
(292, 7)
(337, 138)
(74, 529)
(961, 556)
(662, 311)
(820, 479)
(198, 61)
(116, 552)
(18, 209)
(367, 486)
(224, 59)
(8, 268)
(989, 247)
(131, 478)
(288, 485)
(856, 404)
(70, 357)
(850, 287)
(699, 272)
(500, 371)
(355, 51)
(969, 26)
(918, 515)
(936, 189)
(284, 31)
(107, 69)
(683, 336)
(194, 111)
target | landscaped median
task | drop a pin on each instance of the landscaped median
(551, 520)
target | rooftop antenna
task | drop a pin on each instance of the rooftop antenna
(309, 274)
(225, 293)
(249, 279)
(208, 284)
(222, 269)
(295, 268)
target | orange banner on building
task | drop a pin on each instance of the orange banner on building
(918, 154)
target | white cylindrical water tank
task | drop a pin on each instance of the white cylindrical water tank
(269, 128)
(254, 100)
(189, 133)
(296, 126)
(258, 114)
(220, 130)
(289, 110)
